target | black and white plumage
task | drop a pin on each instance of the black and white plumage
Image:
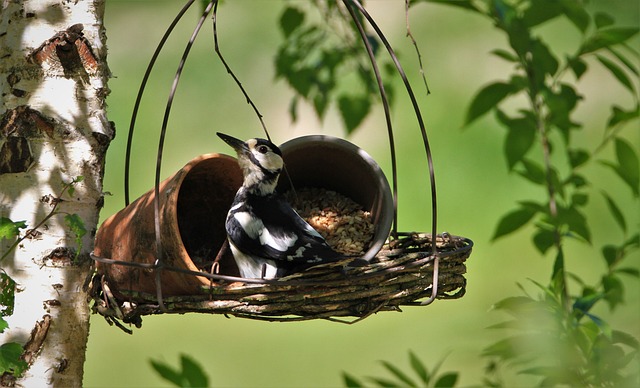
(267, 237)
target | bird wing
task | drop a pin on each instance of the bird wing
(271, 229)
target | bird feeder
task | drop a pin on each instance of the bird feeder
(165, 252)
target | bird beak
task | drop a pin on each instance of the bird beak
(236, 144)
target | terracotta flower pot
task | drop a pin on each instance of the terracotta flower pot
(193, 208)
(335, 164)
(195, 202)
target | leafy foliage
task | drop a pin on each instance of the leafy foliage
(556, 336)
(10, 229)
(7, 296)
(322, 59)
(188, 374)
(75, 224)
(10, 361)
(423, 377)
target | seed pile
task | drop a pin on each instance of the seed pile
(343, 223)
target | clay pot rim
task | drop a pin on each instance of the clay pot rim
(387, 209)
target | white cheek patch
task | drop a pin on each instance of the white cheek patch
(255, 229)
(270, 161)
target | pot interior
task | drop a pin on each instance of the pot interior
(205, 196)
(336, 164)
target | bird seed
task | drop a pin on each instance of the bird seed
(343, 223)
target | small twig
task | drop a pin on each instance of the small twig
(55, 201)
(226, 66)
(415, 45)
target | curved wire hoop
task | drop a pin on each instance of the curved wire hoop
(354, 8)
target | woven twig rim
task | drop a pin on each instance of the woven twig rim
(401, 275)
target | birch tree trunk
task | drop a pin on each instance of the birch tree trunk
(53, 130)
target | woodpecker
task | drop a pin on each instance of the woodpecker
(267, 237)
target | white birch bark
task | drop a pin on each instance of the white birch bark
(53, 109)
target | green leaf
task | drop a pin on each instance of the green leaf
(419, 368)
(576, 221)
(191, 373)
(398, 374)
(350, 381)
(353, 110)
(10, 361)
(466, 4)
(487, 98)
(384, 382)
(513, 221)
(629, 166)
(10, 229)
(3, 324)
(561, 104)
(606, 37)
(7, 294)
(624, 60)
(602, 325)
(504, 54)
(520, 138)
(320, 104)
(168, 373)
(615, 212)
(603, 20)
(586, 302)
(447, 380)
(540, 12)
(533, 172)
(504, 349)
(633, 241)
(514, 304)
(579, 199)
(76, 226)
(544, 62)
(629, 271)
(576, 180)
(513, 324)
(577, 14)
(543, 240)
(578, 157)
(577, 65)
(614, 290)
(610, 254)
(617, 72)
(621, 116)
(290, 20)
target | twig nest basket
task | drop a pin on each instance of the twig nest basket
(194, 273)
(401, 275)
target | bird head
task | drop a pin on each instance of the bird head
(260, 160)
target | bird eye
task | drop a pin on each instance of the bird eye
(263, 149)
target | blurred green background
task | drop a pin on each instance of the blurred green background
(474, 188)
